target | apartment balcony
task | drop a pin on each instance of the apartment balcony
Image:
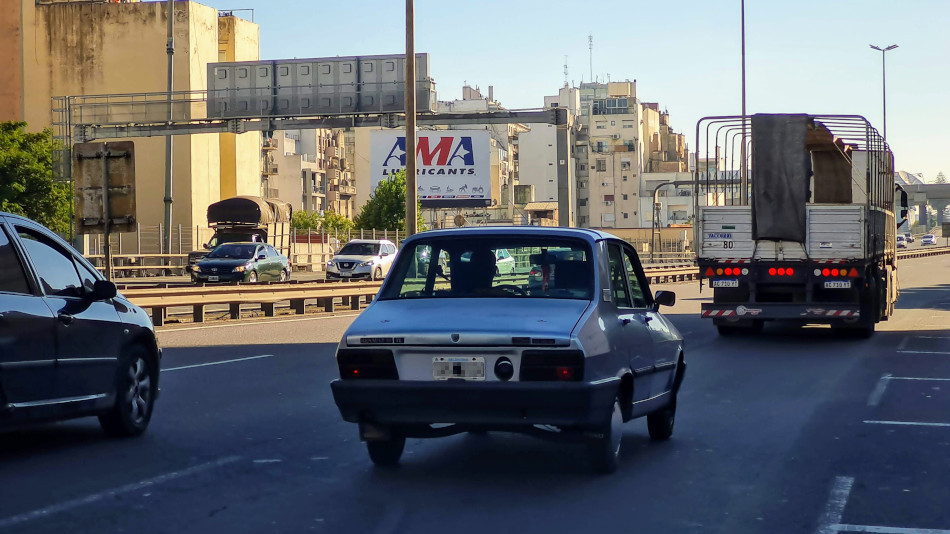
(347, 189)
(270, 169)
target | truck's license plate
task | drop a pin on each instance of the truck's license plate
(725, 283)
(464, 367)
(838, 284)
(212, 278)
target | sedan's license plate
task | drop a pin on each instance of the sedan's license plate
(345, 274)
(725, 283)
(212, 278)
(464, 367)
(838, 284)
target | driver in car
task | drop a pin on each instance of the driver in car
(474, 277)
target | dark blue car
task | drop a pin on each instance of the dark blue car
(70, 345)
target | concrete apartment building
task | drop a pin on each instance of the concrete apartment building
(52, 48)
(310, 171)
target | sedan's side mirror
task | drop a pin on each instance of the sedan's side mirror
(103, 290)
(207, 246)
(664, 298)
(383, 254)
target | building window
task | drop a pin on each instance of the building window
(601, 125)
(625, 196)
(613, 123)
(583, 167)
(583, 219)
(625, 216)
(582, 202)
(608, 198)
(601, 165)
(628, 124)
(625, 178)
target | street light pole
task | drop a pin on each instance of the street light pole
(883, 52)
(743, 171)
(412, 197)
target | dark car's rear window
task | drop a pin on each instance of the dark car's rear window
(493, 267)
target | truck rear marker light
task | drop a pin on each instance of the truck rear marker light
(826, 272)
(728, 271)
(834, 272)
(853, 273)
(719, 271)
(709, 271)
(745, 272)
(790, 271)
(772, 271)
(781, 271)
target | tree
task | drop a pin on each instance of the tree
(27, 186)
(940, 179)
(330, 221)
(386, 209)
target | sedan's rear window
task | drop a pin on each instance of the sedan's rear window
(493, 267)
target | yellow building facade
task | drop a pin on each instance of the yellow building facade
(72, 48)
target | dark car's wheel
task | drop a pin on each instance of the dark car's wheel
(387, 452)
(283, 276)
(660, 422)
(604, 448)
(378, 273)
(135, 396)
(252, 277)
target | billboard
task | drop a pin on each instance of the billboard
(317, 86)
(453, 166)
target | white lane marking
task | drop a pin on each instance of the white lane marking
(875, 398)
(222, 362)
(888, 530)
(129, 488)
(168, 329)
(268, 461)
(923, 352)
(903, 343)
(920, 378)
(834, 509)
(906, 423)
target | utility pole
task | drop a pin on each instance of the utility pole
(412, 197)
(744, 170)
(170, 50)
(883, 52)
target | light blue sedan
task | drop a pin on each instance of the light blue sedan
(571, 353)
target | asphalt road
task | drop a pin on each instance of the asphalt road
(790, 431)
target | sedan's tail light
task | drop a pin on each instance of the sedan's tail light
(366, 364)
(552, 365)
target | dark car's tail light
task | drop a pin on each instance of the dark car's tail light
(366, 364)
(551, 365)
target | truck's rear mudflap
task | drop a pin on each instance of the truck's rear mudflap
(811, 313)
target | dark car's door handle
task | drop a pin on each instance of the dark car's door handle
(647, 319)
(624, 321)
(65, 318)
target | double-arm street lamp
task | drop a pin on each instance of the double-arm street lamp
(883, 52)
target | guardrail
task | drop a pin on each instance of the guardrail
(922, 252)
(158, 300)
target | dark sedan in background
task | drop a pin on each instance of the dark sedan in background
(242, 262)
(70, 345)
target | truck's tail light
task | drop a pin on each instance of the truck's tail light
(366, 364)
(552, 365)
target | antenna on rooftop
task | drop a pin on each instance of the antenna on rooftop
(565, 72)
(590, 47)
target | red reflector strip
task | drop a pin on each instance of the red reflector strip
(853, 273)
(565, 373)
(709, 271)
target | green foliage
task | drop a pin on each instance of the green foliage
(26, 177)
(330, 221)
(386, 209)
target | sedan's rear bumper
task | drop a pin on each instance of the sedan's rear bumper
(475, 403)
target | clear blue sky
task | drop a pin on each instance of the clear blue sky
(808, 56)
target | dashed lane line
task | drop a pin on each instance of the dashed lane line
(222, 362)
(875, 398)
(887, 530)
(43, 513)
(834, 509)
(907, 423)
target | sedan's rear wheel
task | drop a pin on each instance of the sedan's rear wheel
(386, 453)
(378, 273)
(604, 449)
(135, 397)
(660, 422)
(283, 276)
(252, 277)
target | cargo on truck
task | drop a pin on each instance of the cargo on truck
(247, 219)
(799, 226)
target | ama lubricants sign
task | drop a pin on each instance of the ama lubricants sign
(453, 167)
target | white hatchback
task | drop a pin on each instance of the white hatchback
(362, 258)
